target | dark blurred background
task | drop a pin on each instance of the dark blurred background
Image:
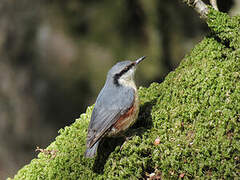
(54, 56)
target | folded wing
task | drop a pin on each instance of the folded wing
(109, 107)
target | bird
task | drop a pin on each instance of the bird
(116, 107)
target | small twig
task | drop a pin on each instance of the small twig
(214, 4)
(52, 153)
(199, 6)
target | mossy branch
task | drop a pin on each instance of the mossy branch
(223, 27)
(200, 7)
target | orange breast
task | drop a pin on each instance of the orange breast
(126, 120)
(122, 120)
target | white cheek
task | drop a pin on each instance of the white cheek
(128, 76)
(127, 79)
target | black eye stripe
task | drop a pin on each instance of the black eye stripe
(126, 69)
(118, 75)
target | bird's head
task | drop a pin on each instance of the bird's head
(122, 73)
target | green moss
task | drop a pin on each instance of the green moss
(195, 113)
(225, 28)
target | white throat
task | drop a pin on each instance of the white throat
(128, 80)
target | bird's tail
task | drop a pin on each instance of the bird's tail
(91, 152)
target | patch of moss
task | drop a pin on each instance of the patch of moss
(225, 28)
(195, 113)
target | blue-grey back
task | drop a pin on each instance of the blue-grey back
(115, 97)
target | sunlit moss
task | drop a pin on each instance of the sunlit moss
(195, 113)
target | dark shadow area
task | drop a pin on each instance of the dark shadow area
(108, 145)
(225, 42)
(144, 118)
(225, 6)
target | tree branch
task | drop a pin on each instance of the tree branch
(214, 4)
(199, 6)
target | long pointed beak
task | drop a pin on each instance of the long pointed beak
(139, 60)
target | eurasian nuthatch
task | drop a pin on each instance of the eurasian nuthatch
(116, 107)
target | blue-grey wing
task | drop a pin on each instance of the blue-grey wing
(109, 106)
